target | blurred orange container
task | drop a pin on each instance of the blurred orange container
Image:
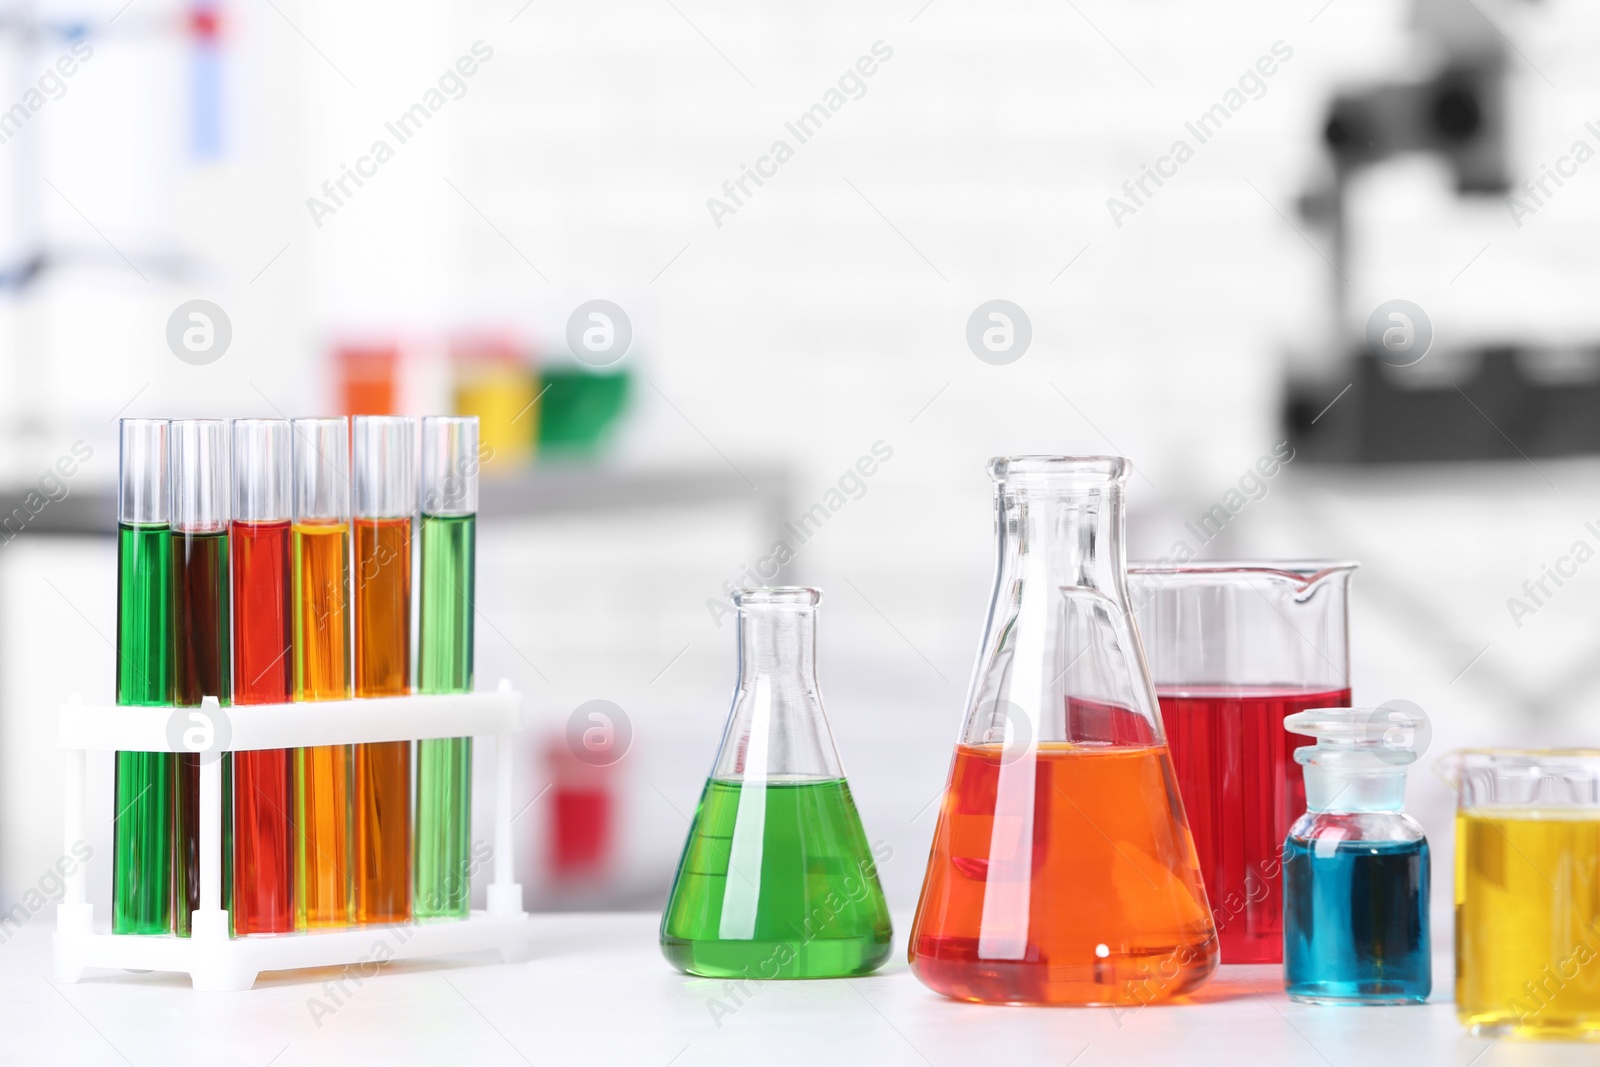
(368, 378)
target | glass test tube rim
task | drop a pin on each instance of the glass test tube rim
(445, 438)
(253, 503)
(144, 505)
(317, 473)
(382, 488)
(212, 449)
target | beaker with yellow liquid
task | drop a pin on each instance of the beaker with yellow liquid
(1527, 892)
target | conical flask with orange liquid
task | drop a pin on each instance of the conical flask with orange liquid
(1062, 870)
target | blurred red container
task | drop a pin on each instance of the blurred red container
(368, 378)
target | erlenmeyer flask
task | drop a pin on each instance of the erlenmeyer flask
(1062, 869)
(777, 879)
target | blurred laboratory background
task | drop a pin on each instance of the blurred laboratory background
(1354, 235)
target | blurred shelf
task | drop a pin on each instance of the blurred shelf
(555, 489)
(569, 489)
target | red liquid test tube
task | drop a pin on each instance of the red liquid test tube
(263, 853)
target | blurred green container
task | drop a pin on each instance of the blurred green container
(579, 407)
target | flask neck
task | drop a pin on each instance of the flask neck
(777, 729)
(1072, 537)
(777, 643)
(1060, 659)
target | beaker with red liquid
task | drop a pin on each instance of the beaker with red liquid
(1235, 649)
(1062, 869)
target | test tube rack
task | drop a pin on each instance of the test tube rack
(214, 960)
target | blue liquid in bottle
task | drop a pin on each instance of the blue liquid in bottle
(1355, 925)
(1355, 865)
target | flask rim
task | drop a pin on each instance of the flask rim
(777, 596)
(1061, 471)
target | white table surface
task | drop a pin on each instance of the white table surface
(598, 992)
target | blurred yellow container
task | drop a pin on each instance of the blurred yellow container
(495, 380)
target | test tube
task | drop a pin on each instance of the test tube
(385, 500)
(201, 660)
(321, 552)
(263, 673)
(444, 660)
(141, 897)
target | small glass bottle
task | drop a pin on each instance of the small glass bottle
(1355, 869)
(777, 879)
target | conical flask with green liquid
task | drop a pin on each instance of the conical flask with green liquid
(777, 879)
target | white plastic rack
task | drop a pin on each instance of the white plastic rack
(212, 959)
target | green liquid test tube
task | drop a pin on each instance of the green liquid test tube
(444, 662)
(141, 895)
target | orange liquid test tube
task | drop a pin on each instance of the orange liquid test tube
(385, 491)
(321, 535)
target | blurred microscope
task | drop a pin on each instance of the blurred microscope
(1385, 412)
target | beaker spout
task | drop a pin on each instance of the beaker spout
(1448, 768)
